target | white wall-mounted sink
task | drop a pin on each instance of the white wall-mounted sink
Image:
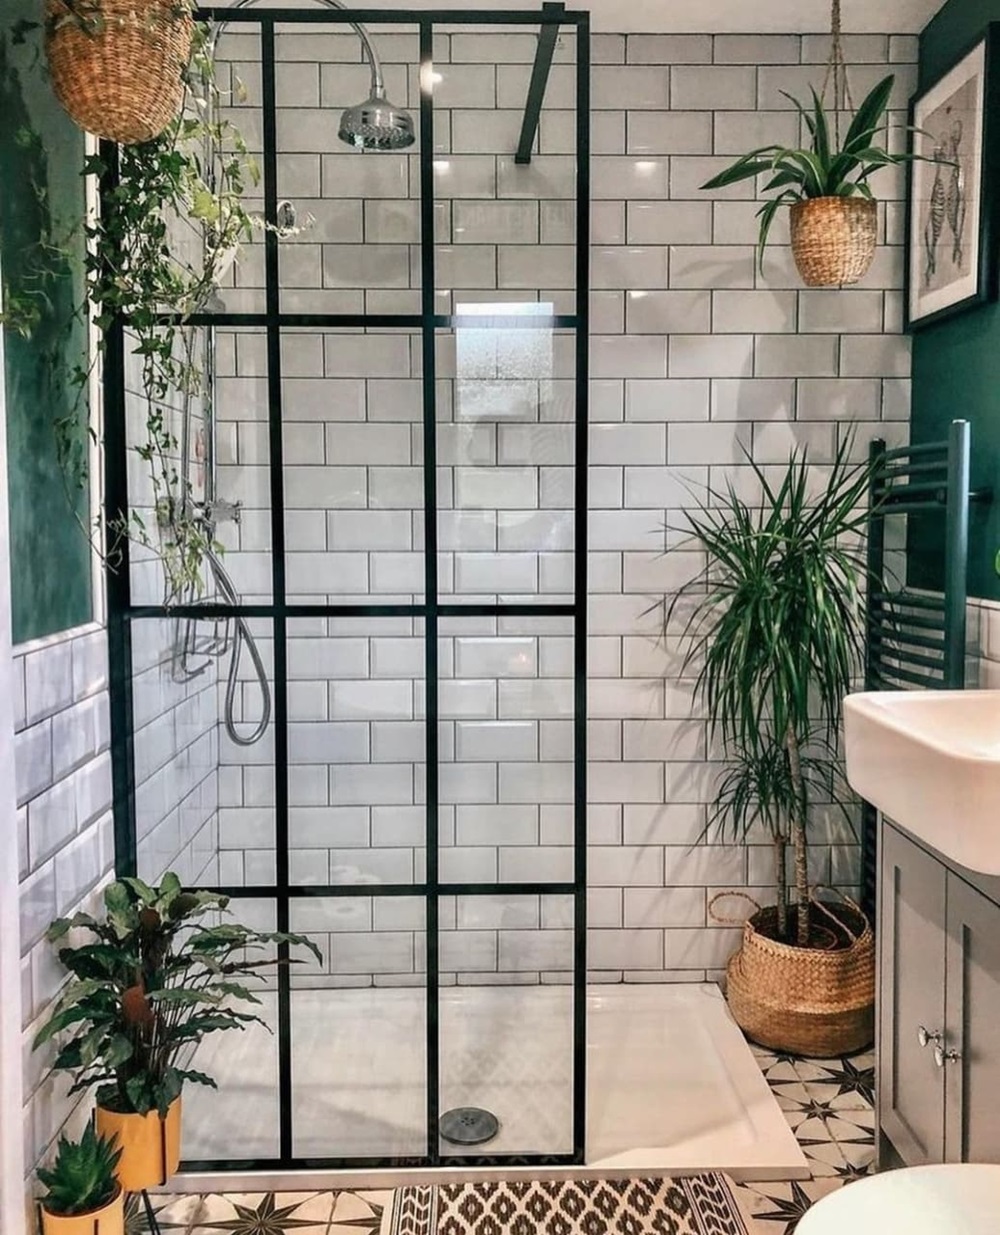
(930, 760)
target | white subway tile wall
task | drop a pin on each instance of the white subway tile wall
(698, 358)
(63, 777)
(64, 820)
(983, 644)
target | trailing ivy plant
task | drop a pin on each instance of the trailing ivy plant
(159, 246)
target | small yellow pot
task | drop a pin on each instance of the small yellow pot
(108, 1220)
(151, 1147)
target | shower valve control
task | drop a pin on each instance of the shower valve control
(926, 1036)
(222, 511)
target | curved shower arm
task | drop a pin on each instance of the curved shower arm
(378, 82)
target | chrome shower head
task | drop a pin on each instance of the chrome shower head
(377, 124)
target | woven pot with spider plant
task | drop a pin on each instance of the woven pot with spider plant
(833, 210)
(774, 623)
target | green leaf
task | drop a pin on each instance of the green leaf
(820, 132)
(57, 1023)
(170, 886)
(117, 899)
(118, 1051)
(746, 168)
(140, 1093)
(144, 893)
(869, 115)
(198, 1078)
(766, 215)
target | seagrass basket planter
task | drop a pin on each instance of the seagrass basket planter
(817, 1001)
(833, 239)
(117, 66)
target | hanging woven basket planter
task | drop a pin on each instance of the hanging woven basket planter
(834, 239)
(117, 65)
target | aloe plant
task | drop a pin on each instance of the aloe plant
(774, 623)
(825, 168)
(82, 1177)
(151, 980)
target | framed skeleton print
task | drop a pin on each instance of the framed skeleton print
(953, 199)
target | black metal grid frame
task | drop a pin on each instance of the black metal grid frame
(122, 613)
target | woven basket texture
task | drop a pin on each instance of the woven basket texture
(805, 1001)
(834, 239)
(121, 77)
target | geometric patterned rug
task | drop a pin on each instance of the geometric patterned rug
(693, 1205)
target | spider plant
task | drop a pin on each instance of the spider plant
(826, 167)
(775, 624)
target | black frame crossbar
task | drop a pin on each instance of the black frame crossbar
(124, 613)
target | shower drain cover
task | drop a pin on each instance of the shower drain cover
(469, 1125)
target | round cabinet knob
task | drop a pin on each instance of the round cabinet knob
(926, 1036)
(942, 1056)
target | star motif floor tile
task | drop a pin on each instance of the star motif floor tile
(829, 1106)
(778, 1208)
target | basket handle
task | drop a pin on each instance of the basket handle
(832, 916)
(727, 921)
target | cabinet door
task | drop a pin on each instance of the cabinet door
(912, 995)
(972, 1082)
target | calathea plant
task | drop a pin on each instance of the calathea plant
(149, 982)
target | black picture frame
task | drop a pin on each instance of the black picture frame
(980, 285)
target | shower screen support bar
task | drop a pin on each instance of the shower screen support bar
(544, 52)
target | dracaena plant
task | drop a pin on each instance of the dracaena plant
(82, 1177)
(164, 968)
(824, 168)
(774, 624)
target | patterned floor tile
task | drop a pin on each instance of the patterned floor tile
(777, 1208)
(264, 1213)
(829, 1105)
(852, 1126)
(354, 1212)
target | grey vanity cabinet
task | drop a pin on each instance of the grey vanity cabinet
(912, 980)
(972, 1018)
(939, 1009)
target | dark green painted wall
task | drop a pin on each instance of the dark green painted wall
(956, 363)
(41, 193)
